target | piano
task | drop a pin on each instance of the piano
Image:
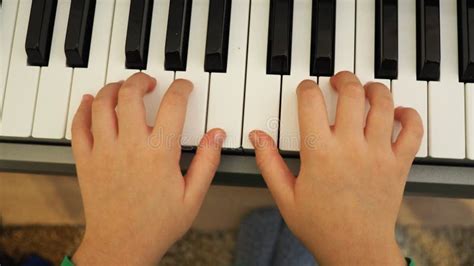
(245, 58)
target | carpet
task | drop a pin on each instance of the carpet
(428, 246)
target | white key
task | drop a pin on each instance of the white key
(262, 96)
(22, 83)
(446, 97)
(156, 59)
(195, 124)
(470, 120)
(301, 55)
(55, 83)
(8, 18)
(116, 67)
(365, 42)
(226, 93)
(407, 90)
(91, 79)
(344, 52)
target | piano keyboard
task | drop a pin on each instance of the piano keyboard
(245, 58)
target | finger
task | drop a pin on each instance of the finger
(350, 111)
(312, 114)
(104, 118)
(82, 139)
(408, 142)
(171, 116)
(131, 111)
(204, 165)
(274, 170)
(379, 125)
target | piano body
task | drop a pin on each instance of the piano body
(245, 58)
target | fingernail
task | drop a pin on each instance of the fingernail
(85, 97)
(253, 136)
(219, 137)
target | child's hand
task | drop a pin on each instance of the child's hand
(136, 201)
(345, 201)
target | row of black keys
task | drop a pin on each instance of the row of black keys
(80, 25)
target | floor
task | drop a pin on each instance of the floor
(38, 212)
(51, 200)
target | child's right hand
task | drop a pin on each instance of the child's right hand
(345, 201)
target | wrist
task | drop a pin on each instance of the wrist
(358, 253)
(95, 251)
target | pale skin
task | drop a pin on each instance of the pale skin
(343, 205)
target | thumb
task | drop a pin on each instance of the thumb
(204, 165)
(274, 170)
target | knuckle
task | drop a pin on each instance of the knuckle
(385, 102)
(417, 130)
(127, 93)
(75, 127)
(377, 86)
(177, 97)
(416, 124)
(353, 90)
(111, 84)
(100, 103)
(412, 113)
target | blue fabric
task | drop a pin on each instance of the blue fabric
(290, 251)
(265, 240)
(34, 260)
(257, 238)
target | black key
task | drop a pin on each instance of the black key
(428, 54)
(279, 37)
(217, 42)
(386, 39)
(40, 31)
(138, 34)
(177, 35)
(466, 40)
(79, 32)
(323, 37)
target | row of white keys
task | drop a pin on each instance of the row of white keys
(262, 95)
(91, 79)
(116, 67)
(22, 82)
(9, 11)
(55, 83)
(407, 90)
(365, 42)
(301, 54)
(446, 97)
(344, 53)
(226, 92)
(156, 59)
(195, 124)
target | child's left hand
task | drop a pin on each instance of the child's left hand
(136, 201)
